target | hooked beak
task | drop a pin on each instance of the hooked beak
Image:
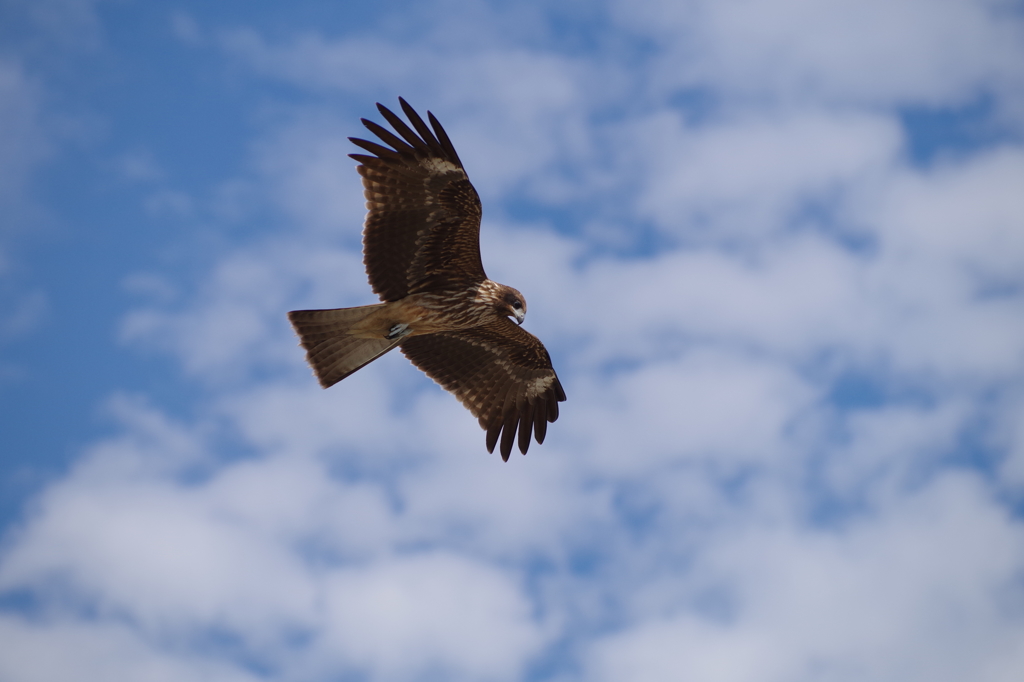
(520, 317)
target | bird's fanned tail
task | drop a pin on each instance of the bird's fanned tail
(330, 350)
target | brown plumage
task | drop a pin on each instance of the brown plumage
(421, 248)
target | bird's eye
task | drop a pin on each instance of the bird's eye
(517, 304)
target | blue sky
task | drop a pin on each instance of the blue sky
(775, 250)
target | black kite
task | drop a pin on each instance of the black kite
(421, 248)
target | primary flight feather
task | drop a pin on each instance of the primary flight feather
(421, 249)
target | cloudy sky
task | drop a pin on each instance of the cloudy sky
(776, 251)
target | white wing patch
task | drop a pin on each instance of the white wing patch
(539, 386)
(436, 165)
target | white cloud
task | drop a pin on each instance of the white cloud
(916, 592)
(514, 110)
(93, 652)
(436, 614)
(241, 322)
(260, 550)
(307, 168)
(877, 52)
(723, 410)
(755, 174)
(892, 446)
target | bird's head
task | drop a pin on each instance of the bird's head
(512, 304)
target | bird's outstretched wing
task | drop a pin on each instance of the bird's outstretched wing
(422, 231)
(500, 372)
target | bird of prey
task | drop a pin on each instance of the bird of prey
(421, 249)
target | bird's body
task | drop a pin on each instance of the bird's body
(422, 255)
